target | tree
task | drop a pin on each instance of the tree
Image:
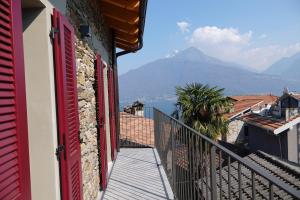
(202, 108)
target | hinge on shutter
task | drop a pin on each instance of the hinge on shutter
(59, 150)
(53, 31)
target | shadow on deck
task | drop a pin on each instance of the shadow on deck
(137, 174)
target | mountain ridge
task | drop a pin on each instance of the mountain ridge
(157, 79)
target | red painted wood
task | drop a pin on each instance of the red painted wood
(101, 120)
(112, 120)
(67, 108)
(14, 154)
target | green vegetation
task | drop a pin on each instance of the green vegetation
(202, 108)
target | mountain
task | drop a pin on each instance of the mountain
(286, 67)
(157, 80)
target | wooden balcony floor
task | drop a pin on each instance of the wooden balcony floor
(136, 175)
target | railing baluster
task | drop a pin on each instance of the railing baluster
(229, 177)
(220, 174)
(271, 195)
(213, 176)
(206, 172)
(201, 166)
(253, 185)
(240, 180)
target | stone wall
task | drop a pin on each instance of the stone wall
(235, 132)
(87, 117)
(80, 12)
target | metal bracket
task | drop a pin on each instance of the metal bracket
(58, 151)
(53, 31)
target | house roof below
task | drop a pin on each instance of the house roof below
(269, 123)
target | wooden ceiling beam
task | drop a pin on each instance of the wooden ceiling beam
(118, 40)
(122, 27)
(125, 47)
(127, 37)
(119, 13)
(128, 4)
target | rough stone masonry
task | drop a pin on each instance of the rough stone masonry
(80, 12)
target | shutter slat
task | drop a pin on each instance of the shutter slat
(11, 192)
(6, 86)
(5, 102)
(7, 94)
(6, 48)
(8, 181)
(5, 32)
(4, 9)
(14, 194)
(5, 40)
(6, 63)
(8, 165)
(7, 125)
(7, 133)
(8, 141)
(7, 157)
(5, 55)
(9, 172)
(4, 17)
(6, 71)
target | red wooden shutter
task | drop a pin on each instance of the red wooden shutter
(112, 120)
(67, 108)
(14, 159)
(101, 120)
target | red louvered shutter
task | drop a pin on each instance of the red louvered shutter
(14, 155)
(67, 108)
(112, 120)
(101, 120)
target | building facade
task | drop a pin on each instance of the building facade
(277, 131)
(59, 94)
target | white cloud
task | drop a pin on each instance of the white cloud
(183, 26)
(262, 36)
(230, 45)
(215, 35)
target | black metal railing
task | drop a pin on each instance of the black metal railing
(137, 128)
(199, 168)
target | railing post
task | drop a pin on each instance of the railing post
(213, 172)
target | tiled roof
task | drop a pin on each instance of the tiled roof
(243, 103)
(266, 163)
(136, 130)
(269, 123)
(267, 99)
(296, 96)
(242, 106)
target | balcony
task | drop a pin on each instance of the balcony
(162, 158)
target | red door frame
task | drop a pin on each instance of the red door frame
(101, 119)
(67, 109)
(14, 161)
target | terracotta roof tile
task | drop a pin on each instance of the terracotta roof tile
(136, 130)
(242, 103)
(266, 122)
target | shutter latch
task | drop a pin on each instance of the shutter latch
(53, 31)
(58, 151)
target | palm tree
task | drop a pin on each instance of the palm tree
(202, 108)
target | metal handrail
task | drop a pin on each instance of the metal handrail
(241, 161)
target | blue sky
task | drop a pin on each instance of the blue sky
(254, 33)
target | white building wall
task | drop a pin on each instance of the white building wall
(40, 94)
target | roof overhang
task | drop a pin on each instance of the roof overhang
(127, 19)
